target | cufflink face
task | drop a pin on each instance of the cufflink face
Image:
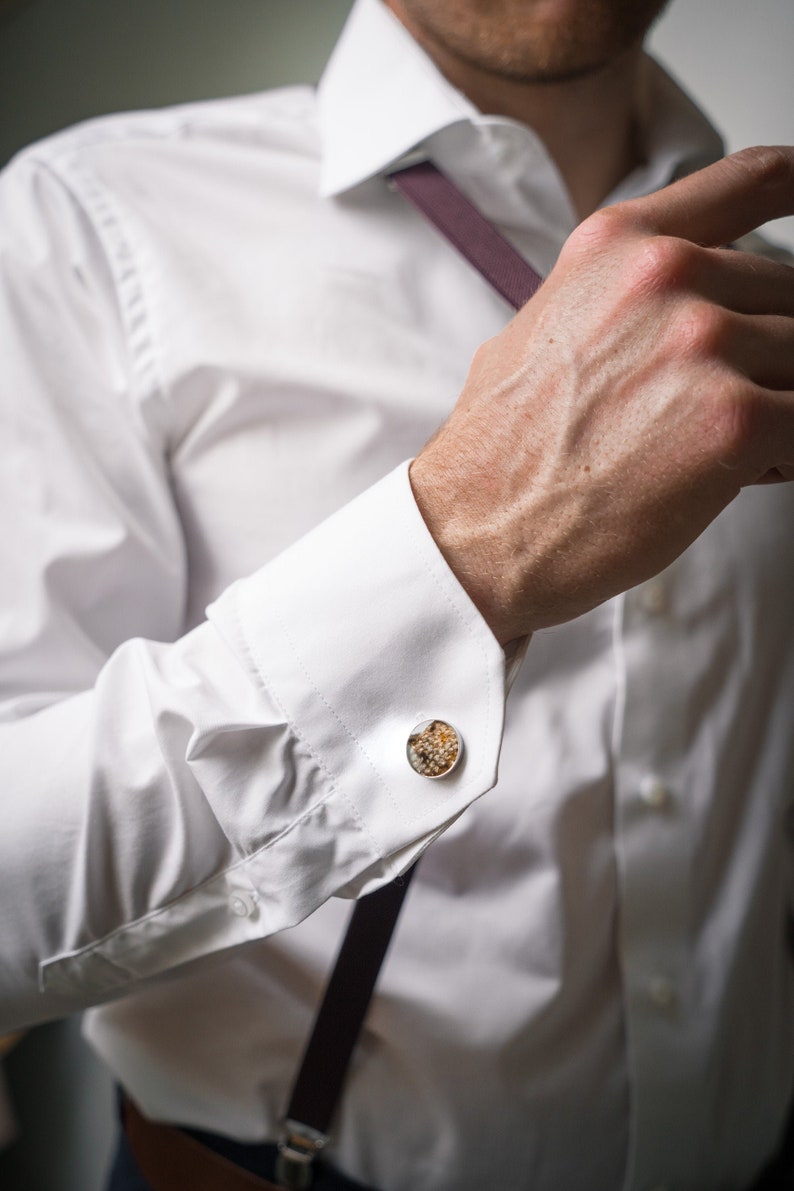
(434, 748)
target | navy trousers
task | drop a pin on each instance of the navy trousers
(124, 1173)
(259, 1159)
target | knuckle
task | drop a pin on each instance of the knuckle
(603, 229)
(700, 331)
(660, 264)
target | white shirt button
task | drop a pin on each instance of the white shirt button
(655, 793)
(654, 597)
(242, 905)
(662, 992)
(434, 748)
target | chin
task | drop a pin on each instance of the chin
(538, 41)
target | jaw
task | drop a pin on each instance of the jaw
(528, 41)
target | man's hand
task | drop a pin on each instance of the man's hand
(646, 383)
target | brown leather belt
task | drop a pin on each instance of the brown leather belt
(171, 1160)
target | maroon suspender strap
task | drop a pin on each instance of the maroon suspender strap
(457, 218)
(348, 992)
(345, 1003)
(336, 1029)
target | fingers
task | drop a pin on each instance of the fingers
(726, 200)
(760, 346)
(743, 282)
(774, 434)
(776, 476)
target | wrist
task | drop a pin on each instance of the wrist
(471, 546)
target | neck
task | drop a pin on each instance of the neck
(589, 125)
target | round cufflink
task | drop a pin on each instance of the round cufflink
(434, 748)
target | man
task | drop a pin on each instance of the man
(222, 326)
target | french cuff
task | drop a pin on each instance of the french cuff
(361, 635)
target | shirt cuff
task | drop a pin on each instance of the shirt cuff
(349, 640)
(360, 632)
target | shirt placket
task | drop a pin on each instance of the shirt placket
(654, 849)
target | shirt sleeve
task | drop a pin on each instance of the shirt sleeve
(167, 797)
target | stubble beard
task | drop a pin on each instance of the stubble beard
(533, 41)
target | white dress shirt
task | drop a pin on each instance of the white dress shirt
(222, 336)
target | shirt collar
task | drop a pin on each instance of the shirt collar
(381, 98)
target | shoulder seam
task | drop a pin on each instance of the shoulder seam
(97, 203)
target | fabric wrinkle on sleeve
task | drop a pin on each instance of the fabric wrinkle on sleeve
(167, 801)
(309, 781)
(399, 642)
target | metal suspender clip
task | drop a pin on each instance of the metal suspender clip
(297, 1150)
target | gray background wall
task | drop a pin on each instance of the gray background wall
(737, 59)
(63, 60)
